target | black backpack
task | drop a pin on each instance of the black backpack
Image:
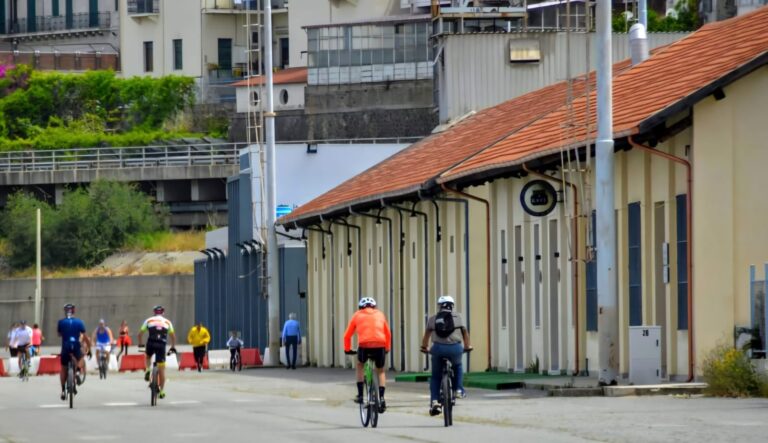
(444, 324)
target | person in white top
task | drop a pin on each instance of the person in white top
(21, 339)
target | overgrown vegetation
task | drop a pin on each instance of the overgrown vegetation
(51, 110)
(729, 372)
(684, 19)
(165, 241)
(87, 227)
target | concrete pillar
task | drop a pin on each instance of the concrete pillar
(58, 194)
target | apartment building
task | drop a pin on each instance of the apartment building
(70, 35)
(204, 39)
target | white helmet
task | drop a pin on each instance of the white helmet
(366, 301)
(446, 299)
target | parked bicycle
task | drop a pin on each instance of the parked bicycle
(370, 406)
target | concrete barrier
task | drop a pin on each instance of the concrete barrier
(251, 357)
(188, 361)
(133, 362)
(92, 364)
(2, 368)
(219, 359)
(49, 365)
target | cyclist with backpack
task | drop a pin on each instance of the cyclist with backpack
(447, 331)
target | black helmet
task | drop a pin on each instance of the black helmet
(69, 308)
(158, 310)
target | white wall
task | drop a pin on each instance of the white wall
(303, 176)
(295, 97)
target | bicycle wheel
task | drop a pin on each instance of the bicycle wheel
(239, 362)
(104, 365)
(446, 398)
(154, 388)
(365, 409)
(71, 383)
(373, 399)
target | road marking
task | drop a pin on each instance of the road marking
(53, 406)
(503, 395)
(183, 402)
(121, 404)
(247, 400)
(424, 396)
(315, 399)
(97, 437)
(189, 435)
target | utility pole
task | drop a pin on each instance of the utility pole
(273, 291)
(39, 276)
(607, 297)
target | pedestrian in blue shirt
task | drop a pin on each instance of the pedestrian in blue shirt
(291, 340)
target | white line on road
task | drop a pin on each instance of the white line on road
(53, 406)
(315, 399)
(97, 437)
(503, 395)
(183, 402)
(189, 435)
(247, 400)
(121, 404)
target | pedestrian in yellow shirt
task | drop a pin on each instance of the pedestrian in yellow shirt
(199, 337)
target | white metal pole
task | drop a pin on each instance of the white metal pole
(643, 13)
(39, 285)
(607, 298)
(273, 291)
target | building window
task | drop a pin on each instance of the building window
(31, 16)
(284, 97)
(148, 56)
(177, 55)
(255, 97)
(635, 267)
(682, 263)
(55, 8)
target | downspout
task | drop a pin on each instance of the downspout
(688, 244)
(414, 212)
(329, 232)
(402, 291)
(348, 225)
(574, 258)
(464, 202)
(487, 260)
(378, 217)
(438, 238)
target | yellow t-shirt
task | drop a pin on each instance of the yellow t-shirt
(198, 338)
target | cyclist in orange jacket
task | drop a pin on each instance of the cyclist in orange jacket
(374, 340)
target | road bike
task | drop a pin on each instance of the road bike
(447, 396)
(236, 361)
(154, 380)
(71, 389)
(370, 406)
(103, 365)
(24, 369)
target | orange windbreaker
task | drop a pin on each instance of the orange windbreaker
(372, 330)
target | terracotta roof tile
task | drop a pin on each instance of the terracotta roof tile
(535, 124)
(640, 93)
(282, 77)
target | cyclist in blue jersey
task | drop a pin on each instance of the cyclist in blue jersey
(71, 330)
(104, 339)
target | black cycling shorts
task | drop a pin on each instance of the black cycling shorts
(157, 349)
(378, 355)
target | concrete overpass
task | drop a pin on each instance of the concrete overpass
(190, 178)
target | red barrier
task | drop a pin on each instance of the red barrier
(2, 369)
(133, 362)
(188, 361)
(251, 357)
(49, 365)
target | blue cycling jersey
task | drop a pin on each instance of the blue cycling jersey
(70, 330)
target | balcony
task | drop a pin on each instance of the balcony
(240, 6)
(143, 7)
(65, 24)
(218, 76)
(61, 61)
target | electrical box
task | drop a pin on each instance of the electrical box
(645, 355)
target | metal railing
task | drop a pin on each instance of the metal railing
(49, 23)
(61, 61)
(118, 158)
(241, 5)
(143, 6)
(225, 76)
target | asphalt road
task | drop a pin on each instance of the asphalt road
(315, 405)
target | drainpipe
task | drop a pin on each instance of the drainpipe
(402, 291)
(487, 261)
(414, 213)
(688, 244)
(438, 238)
(464, 202)
(329, 232)
(378, 217)
(343, 223)
(574, 258)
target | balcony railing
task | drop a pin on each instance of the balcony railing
(61, 61)
(242, 5)
(49, 23)
(143, 7)
(225, 76)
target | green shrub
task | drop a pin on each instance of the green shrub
(729, 372)
(87, 227)
(687, 19)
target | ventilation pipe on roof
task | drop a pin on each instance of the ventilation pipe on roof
(638, 43)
